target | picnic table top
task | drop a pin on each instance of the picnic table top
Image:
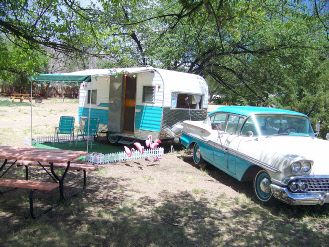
(38, 154)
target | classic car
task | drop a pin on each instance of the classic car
(276, 149)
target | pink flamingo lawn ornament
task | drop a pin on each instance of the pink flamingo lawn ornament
(128, 151)
(139, 147)
(148, 141)
(154, 145)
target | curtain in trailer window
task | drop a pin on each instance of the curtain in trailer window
(197, 101)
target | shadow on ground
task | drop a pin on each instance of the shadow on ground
(246, 189)
(106, 215)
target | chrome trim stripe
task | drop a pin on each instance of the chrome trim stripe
(252, 160)
(236, 153)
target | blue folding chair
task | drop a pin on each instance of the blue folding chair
(66, 127)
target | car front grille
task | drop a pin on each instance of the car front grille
(316, 184)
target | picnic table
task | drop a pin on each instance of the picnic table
(20, 96)
(23, 96)
(54, 157)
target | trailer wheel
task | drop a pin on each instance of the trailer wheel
(113, 139)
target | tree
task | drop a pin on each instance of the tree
(259, 52)
(18, 62)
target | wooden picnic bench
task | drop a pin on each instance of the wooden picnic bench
(30, 185)
(50, 156)
(20, 96)
(24, 96)
(73, 166)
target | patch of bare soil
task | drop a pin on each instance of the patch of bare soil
(171, 174)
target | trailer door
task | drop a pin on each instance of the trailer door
(130, 104)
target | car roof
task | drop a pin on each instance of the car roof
(251, 110)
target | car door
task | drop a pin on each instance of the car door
(232, 141)
(218, 122)
(248, 141)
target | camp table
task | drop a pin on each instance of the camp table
(51, 156)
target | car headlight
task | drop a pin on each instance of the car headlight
(306, 166)
(294, 187)
(296, 167)
(301, 166)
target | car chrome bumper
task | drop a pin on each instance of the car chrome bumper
(311, 198)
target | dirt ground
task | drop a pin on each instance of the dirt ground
(15, 119)
(15, 129)
(144, 203)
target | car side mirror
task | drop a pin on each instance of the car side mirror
(249, 133)
(220, 133)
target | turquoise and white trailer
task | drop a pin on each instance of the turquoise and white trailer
(137, 102)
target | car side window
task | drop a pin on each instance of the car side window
(218, 121)
(234, 124)
(247, 127)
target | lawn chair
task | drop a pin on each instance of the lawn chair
(66, 127)
(85, 130)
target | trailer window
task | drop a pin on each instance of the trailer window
(148, 94)
(189, 101)
(92, 97)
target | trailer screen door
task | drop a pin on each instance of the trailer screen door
(130, 103)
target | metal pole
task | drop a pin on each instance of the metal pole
(31, 114)
(91, 92)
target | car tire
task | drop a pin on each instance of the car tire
(197, 158)
(262, 187)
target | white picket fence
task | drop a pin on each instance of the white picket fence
(98, 158)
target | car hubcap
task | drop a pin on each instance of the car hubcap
(265, 185)
(197, 154)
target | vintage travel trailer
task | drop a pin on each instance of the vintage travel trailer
(137, 102)
(132, 103)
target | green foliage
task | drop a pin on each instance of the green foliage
(18, 62)
(261, 52)
(258, 52)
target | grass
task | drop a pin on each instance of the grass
(107, 215)
(82, 146)
(9, 103)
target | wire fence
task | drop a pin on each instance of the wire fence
(61, 138)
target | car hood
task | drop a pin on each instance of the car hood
(279, 151)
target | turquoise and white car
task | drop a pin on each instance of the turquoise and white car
(276, 149)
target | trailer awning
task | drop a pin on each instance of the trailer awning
(61, 78)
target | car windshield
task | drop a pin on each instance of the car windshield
(269, 125)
